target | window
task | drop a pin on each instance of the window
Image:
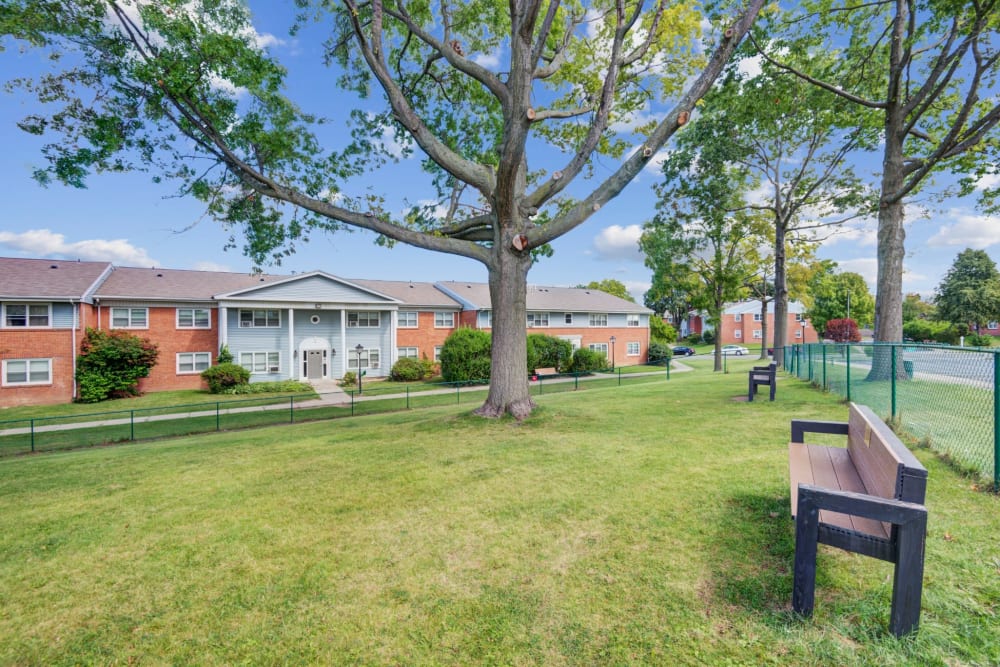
(129, 318)
(598, 319)
(798, 333)
(756, 317)
(363, 319)
(631, 320)
(406, 353)
(27, 315)
(538, 319)
(407, 319)
(632, 349)
(369, 359)
(193, 318)
(569, 318)
(798, 317)
(260, 362)
(487, 318)
(738, 334)
(444, 320)
(600, 347)
(27, 371)
(257, 319)
(738, 317)
(437, 353)
(756, 333)
(992, 325)
(193, 362)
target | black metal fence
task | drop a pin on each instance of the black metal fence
(40, 434)
(946, 395)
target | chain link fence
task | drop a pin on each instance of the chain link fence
(942, 394)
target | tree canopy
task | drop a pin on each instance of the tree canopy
(183, 88)
(839, 295)
(610, 286)
(970, 292)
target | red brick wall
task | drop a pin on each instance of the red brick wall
(747, 325)
(425, 337)
(54, 344)
(164, 332)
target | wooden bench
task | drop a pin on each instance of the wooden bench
(867, 498)
(543, 372)
(762, 375)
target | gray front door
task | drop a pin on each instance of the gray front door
(314, 364)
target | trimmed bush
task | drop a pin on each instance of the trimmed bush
(842, 331)
(975, 340)
(586, 360)
(465, 355)
(693, 339)
(708, 336)
(225, 356)
(350, 379)
(278, 387)
(223, 377)
(408, 370)
(548, 352)
(111, 363)
(659, 353)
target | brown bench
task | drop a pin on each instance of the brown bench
(867, 498)
(762, 375)
(543, 372)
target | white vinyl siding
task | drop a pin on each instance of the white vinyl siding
(194, 318)
(27, 371)
(598, 319)
(260, 319)
(193, 362)
(407, 319)
(631, 320)
(363, 319)
(538, 319)
(261, 362)
(568, 318)
(27, 315)
(369, 358)
(130, 318)
(444, 320)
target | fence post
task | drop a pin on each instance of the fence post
(218, 423)
(352, 403)
(131, 423)
(619, 376)
(824, 368)
(291, 409)
(32, 435)
(576, 381)
(848, 372)
(458, 395)
(892, 349)
(996, 425)
(407, 397)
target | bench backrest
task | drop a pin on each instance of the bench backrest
(885, 465)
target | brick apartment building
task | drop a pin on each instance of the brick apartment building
(311, 326)
(742, 325)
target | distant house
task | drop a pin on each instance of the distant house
(742, 324)
(312, 326)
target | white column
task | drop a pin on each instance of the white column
(223, 315)
(343, 343)
(393, 349)
(293, 371)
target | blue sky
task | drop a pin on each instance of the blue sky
(128, 220)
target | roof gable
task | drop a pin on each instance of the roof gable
(315, 287)
(49, 278)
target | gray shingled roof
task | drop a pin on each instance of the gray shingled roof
(410, 293)
(176, 284)
(553, 299)
(48, 278)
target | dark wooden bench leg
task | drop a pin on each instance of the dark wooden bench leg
(752, 390)
(773, 383)
(806, 538)
(908, 576)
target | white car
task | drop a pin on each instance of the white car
(738, 350)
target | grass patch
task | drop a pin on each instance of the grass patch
(642, 524)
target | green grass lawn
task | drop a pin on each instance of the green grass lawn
(640, 524)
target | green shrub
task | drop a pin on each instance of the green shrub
(708, 336)
(659, 353)
(660, 331)
(223, 377)
(975, 340)
(225, 356)
(111, 363)
(408, 370)
(693, 339)
(586, 360)
(548, 352)
(349, 380)
(465, 355)
(279, 387)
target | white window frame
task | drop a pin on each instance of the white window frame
(362, 319)
(130, 316)
(537, 319)
(408, 352)
(196, 365)
(798, 333)
(28, 382)
(366, 359)
(599, 320)
(259, 318)
(568, 319)
(27, 315)
(757, 334)
(489, 318)
(633, 349)
(756, 317)
(738, 317)
(194, 318)
(437, 353)
(798, 317)
(404, 317)
(444, 319)
(632, 320)
(992, 325)
(600, 347)
(737, 333)
(271, 362)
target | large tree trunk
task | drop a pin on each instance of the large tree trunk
(508, 277)
(763, 323)
(780, 295)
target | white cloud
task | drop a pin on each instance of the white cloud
(866, 267)
(637, 288)
(488, 60)
(967, 231)
(857, 233)
(617, 242)
(750, 67)
(988, 182)
(206, 265)
(45, 243)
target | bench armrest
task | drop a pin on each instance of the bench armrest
(889, 510)
(801, 426)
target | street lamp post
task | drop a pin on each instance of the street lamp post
(359, 349)
(612, 353)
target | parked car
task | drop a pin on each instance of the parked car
(738, 350)
(683, 351)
